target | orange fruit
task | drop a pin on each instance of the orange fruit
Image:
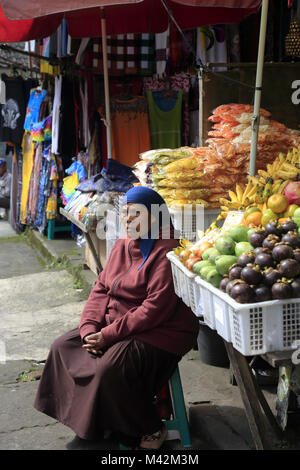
(283, 219)
(254, 218)
(278, 203)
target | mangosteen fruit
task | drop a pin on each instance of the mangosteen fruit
(235, 272)
(270, 241)
(262, 293)
(256, 238)
(289, 268)
(242, 293)
(246, 258)
(264, 260)
(229, 286)
(273, 228)
(295, 285)
(270, 276)
(281, 290)
(224, 283)
(251, 274)
(289, 225)
(282, 251)
(260, 249)
(297, 254)
(292, 238)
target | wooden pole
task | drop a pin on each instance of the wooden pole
(106, 83)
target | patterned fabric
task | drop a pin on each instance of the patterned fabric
(34, 185)
(132, 49)
(44, 191)
(5, 184)
(178, 82)
(147, 54)
(162, 51)
(52, 201)
(115, 54)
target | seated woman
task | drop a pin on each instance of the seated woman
(133, 332)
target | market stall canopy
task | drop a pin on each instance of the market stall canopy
(26, 20)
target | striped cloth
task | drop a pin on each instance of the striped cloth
(132, 50)
(115, 54)
(147, 54)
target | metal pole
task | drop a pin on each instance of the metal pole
(258, 86)
(200, 82)
(106, 85)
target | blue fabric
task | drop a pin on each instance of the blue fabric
(147, 197)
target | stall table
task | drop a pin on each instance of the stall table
(89, 236)
(265, 427)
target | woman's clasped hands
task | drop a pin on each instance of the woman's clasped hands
(94, 343)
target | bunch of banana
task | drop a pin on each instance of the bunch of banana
(240, 199)
(284, 167)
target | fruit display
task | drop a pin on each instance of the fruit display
(278, 179)
(251, 262)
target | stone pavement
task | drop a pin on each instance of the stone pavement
(39, 304)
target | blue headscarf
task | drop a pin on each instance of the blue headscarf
(147, 197)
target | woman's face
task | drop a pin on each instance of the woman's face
(136, 220)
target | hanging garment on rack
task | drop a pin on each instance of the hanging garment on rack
(218, 52)
(13, 111)
(44, 190)
(131, 50)
(67, 129)
(115, 54)
(177, 82)
(129, 129)
(51, 209)
(28, 152)
(147, 54)
(56, 114)
(165, 126)
(34, 185)
(85, 129)
(33, 108)
(162, 51)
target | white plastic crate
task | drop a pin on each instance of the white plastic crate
(184, 282)
(189, 221)
(255, 328)
(205, 304)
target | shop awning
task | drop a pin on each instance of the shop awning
(28, 19)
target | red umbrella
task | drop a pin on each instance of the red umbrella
(40, 19)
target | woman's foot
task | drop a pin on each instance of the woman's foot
(154, 441)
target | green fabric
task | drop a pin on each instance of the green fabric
(165, 126)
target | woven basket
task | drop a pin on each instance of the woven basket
(292, 40)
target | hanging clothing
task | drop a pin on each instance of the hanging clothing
(67, 129)
(178, 82)
(33, 108)
(218, 52)
(147, 54)
(129, 129)
(13, 111)
(165, 126)
(28, 153)
(162, 51)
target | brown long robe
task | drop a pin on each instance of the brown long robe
(113, 392)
